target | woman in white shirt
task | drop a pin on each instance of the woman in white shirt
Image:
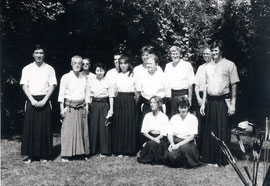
(182, 131)
(154, 129)
(74, 99)
(101, 109)
(125, 115)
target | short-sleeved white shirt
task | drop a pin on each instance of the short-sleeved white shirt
(155, 124)
(38, 79)
(183, 128)
(179, 76)
(155, 85)
(219, 76)
(139, 73)
(124, 82)
(111, 75)
(101, 88)
(200, 77)
(72, 87)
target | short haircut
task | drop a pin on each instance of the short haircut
(87, 59)
(76, 57)
(126, 59)
(175, 48)
(38, 47)
(217, 43)
(100, 65)
(147, 49)
(183, 102)
(157, 99)
(153, 56)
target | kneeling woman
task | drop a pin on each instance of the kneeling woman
(154, 128)
(73, 105)
(182, 131)
(101, 108)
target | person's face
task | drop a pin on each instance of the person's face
(123, 65)
(144, 57)
(151, 65)
(38, 55)
(100, 72)
(175, 55)
(216, 53)
(76, 65)
(154, 105)
(207, 55)
(85, 64)
(116, 60)
(183, 111)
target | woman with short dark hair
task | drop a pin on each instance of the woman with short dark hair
(183, 128)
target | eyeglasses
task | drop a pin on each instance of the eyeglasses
(85, 63)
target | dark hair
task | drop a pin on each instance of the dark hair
(126, 59)
(100, 65)
(38, 47)
(90, 62)
(217, 43)
(183, 102)
(147, 49)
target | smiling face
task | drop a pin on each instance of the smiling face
(175, 55)
(144, 57)
(39, 56)
(116, 60)
(216, 52)
(207, 55)
(123, 65)
(183, 111)
(76, 64)
(100, 72)
(154, 105)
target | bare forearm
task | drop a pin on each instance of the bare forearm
(190, 92)
(27, 93)
(50, 91)
(234, 92)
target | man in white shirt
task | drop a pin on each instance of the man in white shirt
(180, 75)
(111, 74)
(220, 75)
(38, 82)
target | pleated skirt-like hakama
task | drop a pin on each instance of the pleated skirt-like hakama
(185, 156)
(216, 120)
(75, 133)
(124, 125)
(153, 152)
(100, 135)
(37, 137)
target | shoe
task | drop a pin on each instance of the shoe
(43, 160)
(120, 156)
(65, 160)
(102, 156)
(27, 160)
(86, 158)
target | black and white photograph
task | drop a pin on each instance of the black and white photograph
(135, 92)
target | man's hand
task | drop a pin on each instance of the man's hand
(63, 111)
(231, 109)
(202, 110)
(41, 103)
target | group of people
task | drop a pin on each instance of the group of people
(127, 112)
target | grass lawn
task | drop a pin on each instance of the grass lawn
(113, 170)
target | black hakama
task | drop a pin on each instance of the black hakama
(201, 126)
(185, 156)
(124, 125)
(153, 152)
(37, 137)
(216, 120)
(100, 136)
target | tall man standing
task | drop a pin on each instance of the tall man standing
(38, 82)
(220, 74)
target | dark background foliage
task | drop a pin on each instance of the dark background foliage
(97, 28)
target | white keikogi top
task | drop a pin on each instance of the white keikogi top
(155, 124)
(154, 85)
(200, 77)
(183, 128)
(111, 75)
(219, 76)
(101, 88)
(179, 76)
(73, 88)
(124, 83)
(139, 73)
(38, 79)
